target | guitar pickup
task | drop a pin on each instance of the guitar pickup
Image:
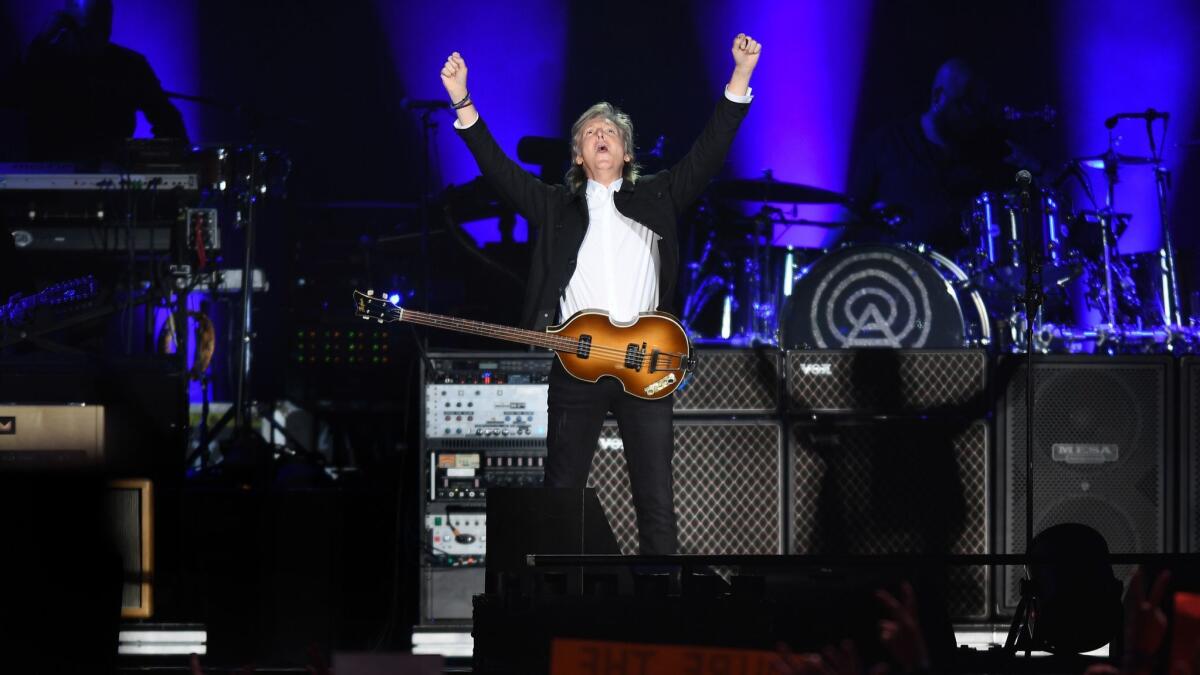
(635, 356)
(584, 348)
(654, 361)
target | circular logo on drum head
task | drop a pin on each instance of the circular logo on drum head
(871, 299)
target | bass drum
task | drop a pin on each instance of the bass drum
(892, 296)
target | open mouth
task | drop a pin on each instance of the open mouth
(601, 147)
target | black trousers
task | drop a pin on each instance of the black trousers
(576, 415)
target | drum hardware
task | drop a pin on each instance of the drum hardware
(1137, 296)
(1103, 159)
(1110, 162)
(1085, 230)
(1112, 339)
(749, 308)
(999, 256)
(1049, 335)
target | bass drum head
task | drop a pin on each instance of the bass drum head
(896, 297)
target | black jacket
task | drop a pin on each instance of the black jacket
(558, 218)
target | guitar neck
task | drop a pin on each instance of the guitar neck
(492, 330)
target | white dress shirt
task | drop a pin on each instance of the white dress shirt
(617, 266)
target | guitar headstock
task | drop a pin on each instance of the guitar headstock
(66, 292)
(372, 307)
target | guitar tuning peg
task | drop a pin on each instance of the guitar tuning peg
(379, 320)
(366, 318)
(371, 292)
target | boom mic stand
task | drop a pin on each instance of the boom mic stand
(1021, 632)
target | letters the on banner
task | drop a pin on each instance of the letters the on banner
(586, 657)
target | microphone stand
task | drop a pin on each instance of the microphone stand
(1021, 631)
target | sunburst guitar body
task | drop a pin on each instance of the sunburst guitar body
(650, 356)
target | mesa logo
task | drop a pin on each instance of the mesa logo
(1085, 453)
(816, 368)
(8, 426)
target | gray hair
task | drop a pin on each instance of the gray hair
(576, 177)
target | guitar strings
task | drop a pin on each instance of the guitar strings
(549, 340)
(565, 343)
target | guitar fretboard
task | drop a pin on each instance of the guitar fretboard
(521, 335)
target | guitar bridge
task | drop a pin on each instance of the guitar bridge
(635, 356)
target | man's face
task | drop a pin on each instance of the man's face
(961, 110)
(601, 149)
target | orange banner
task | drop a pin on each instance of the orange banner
(586, 657)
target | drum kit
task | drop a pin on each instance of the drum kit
(740, 290)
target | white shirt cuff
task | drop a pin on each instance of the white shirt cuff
(459, 125)
(749, 96)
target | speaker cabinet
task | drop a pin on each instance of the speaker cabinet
(885, 381)
(1102, 432)
(51, 436)
(130, 506)
(888, 487)
(728, 486)
(732, 382)
(1189, 463)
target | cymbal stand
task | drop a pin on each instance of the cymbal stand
(1172, 313)
(1108, 231)
(761, 308)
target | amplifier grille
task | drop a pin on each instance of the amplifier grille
(884, 380)
(727, 487)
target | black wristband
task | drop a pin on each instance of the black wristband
(466, 101)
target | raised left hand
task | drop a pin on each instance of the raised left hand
(745, 52)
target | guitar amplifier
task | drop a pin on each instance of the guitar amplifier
(729, 486)
(731, 382)
(887, 381)
(51, 436)
(868, 487)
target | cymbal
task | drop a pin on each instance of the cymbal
(767, 190)
(1098, 161)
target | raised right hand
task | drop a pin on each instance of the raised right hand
(454, 77)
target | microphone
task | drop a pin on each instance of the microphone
(422, 104)
(1150, 115)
